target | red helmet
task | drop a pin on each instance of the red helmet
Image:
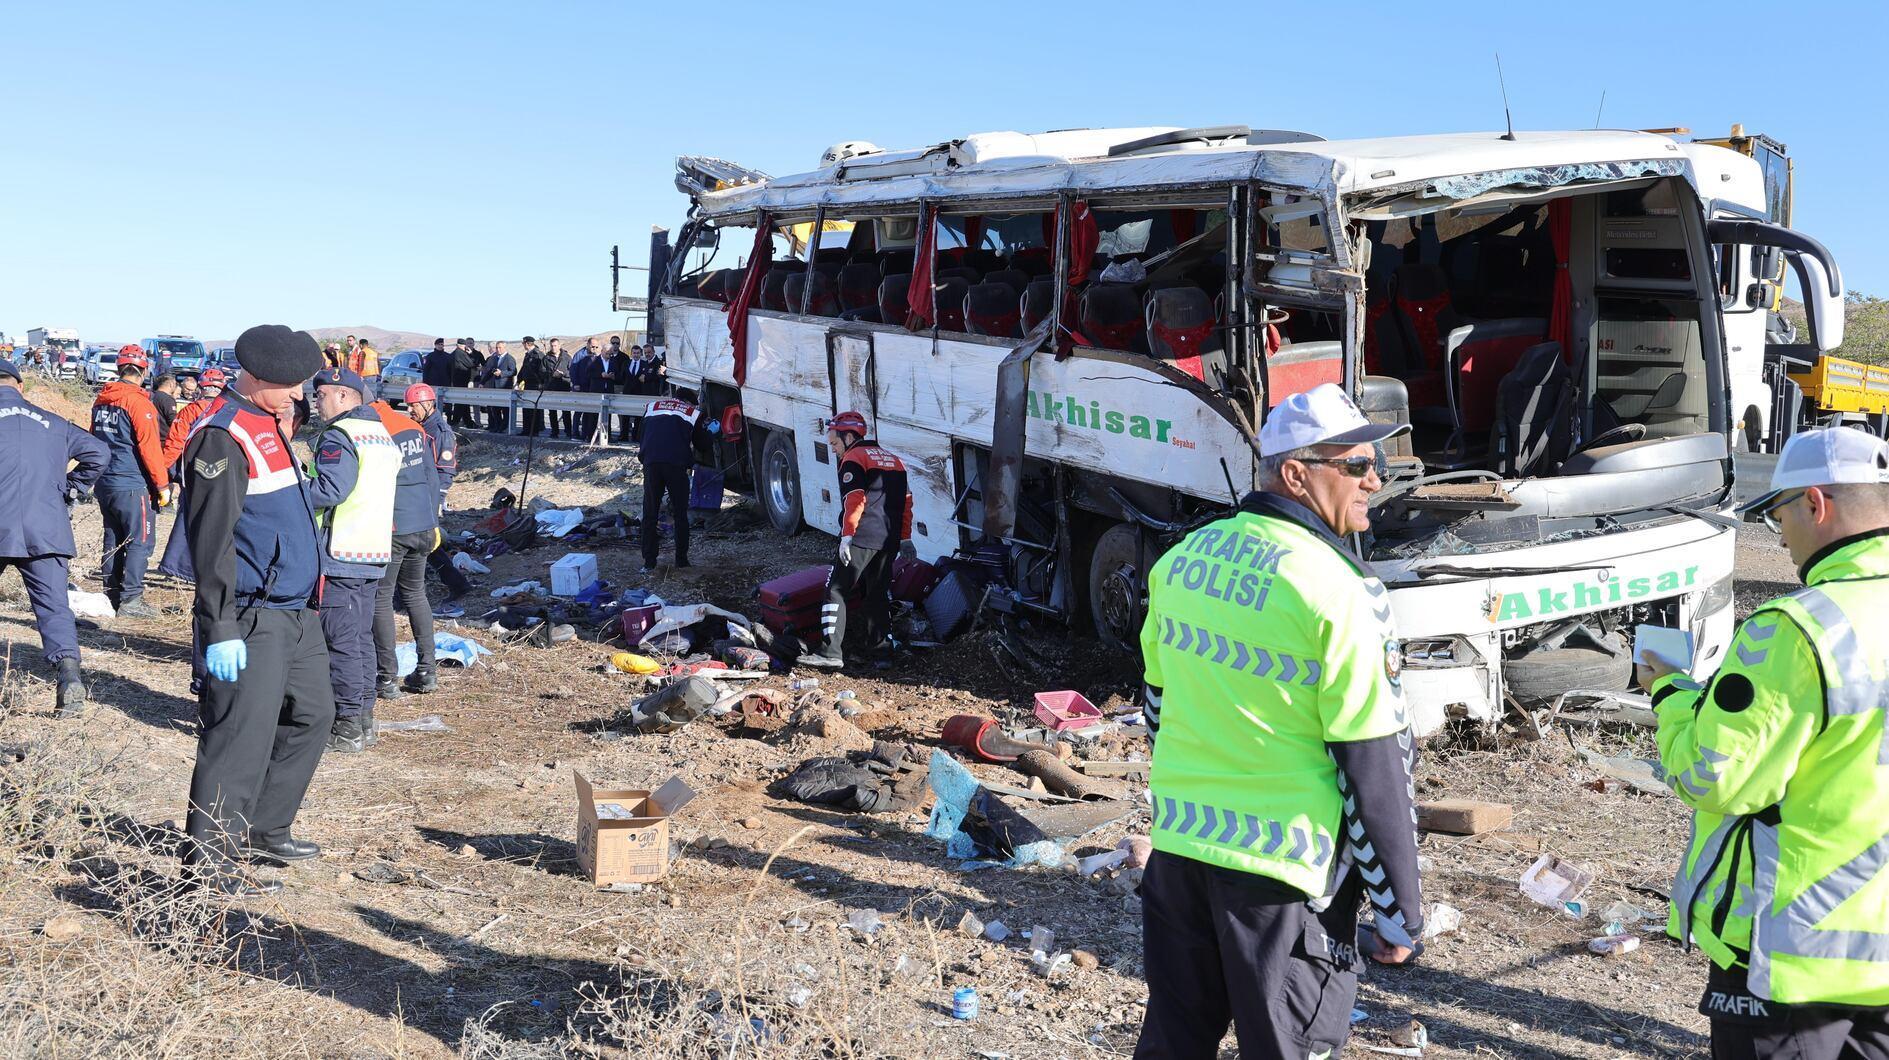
(419, 392)
(212, 377)
(131, 355)
(848, 421)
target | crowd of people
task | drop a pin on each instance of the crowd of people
(546, 368)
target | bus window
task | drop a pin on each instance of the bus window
(1157, 285)
(993, 272)
(714, 266)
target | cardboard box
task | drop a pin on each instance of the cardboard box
(623, 834)
(570, 574)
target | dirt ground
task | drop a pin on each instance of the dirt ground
(448, 915)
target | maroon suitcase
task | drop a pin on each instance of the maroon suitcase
(912, 579)
(791, 602)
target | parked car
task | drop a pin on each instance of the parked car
(100, 366)
(401, 371)
(223, 357)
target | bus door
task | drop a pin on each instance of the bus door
(851, 385)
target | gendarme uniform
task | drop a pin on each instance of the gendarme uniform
(1784, 757)
(1281, 775)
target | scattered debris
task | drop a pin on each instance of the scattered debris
(381, 872)
(632, 663)
(1441, 919)
(623, 834)
(447, 648)
(882, 781)
(423, 723)
(996, 931)
(751, 823)
(670, 708)
(974, 822)
(1558, 885)
(1613, 945)
(63, 927)
(864, 921)
(88, 605)
(1059, 778)
(572, 573)
(1464, 816)
(1066, 710)
(506, 592)
(1085, 960)
(1637, 773)
(964, 1003)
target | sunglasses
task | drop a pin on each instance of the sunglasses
(1354, 466)
(1770, 514)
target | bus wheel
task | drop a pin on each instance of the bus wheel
(779, 485)
(1115, 588)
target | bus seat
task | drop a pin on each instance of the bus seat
(1534, 414)
(960, 272)
(1181, 328)
(1479, 356)
(1111, 317)
(951, 291)
(830, 268)
(992, 309)
(723, 284)
(1425, 316)
(822, 295)
(1299, 366)
(1034, 261)
(984, 259)
(859, 286)
(892, 303)
(1016, 278)
(831, 255)
(1039, 297)
(774, 288)
(950, 258)
(893, 262)
(865, 314)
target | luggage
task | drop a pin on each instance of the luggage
(791, 603)
(705, 489)
(912, 579)
(952, 604)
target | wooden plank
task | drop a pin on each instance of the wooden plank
(1464, 816)
(1114, 769)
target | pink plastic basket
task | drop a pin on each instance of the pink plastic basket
(1066, 710)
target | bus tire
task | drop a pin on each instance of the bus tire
(1116, 586)
(777, 483)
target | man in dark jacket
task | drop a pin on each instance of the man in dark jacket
(621, 377)
(416, 532)
(36, 521)
(558, 361)
(586, 378)
(135, 483)
(465, 365)
(534, 375)
(436, 369)
(667, 452)
(266, 710)
(500, 372)
(164, 390)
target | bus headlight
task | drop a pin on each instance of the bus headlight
(1717, 597)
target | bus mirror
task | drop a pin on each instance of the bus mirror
(1756, 296)
(1818, 277)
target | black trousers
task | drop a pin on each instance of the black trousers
(262, 735)
(869, 577)
(441, 563)
(658, 479)
(533, 418)
(560, 419)
(347, 620)
(45, 578)
(130, 537)
(1746, 1027)
(407, 573)
(498, 420)
(460, 414)
(1222, 946)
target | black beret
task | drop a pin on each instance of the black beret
(275, 353)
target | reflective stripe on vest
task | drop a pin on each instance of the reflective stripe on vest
(1856, 690)
(1793, 931)
(1690, 878)
(1312, 848)
(361, 527)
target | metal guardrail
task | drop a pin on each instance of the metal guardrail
(519, 402)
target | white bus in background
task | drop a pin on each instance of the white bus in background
(1110, 314)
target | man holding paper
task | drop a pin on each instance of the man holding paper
(1784, 758)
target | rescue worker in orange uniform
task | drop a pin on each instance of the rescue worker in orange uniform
(135, 484)
(875, 523)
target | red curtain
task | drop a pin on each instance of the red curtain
(1083, 239)
(973, 232)
(759, 261)
(1182, 221)
(918, 295)
(1561, 318)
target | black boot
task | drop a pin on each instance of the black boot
(72, 692)
(369, 737)
(282, 850)
(422, 681)
(388, 688)
(346, 736)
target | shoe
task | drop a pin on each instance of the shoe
(282, 850)
(346, 736)
(388, 688)
(448, 610)
(422, 682)
(136, 608)
(682, 564)
(820, 661)
(72, 692)
(649, 568)
(370, 733)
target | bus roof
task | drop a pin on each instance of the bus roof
(1007, 164)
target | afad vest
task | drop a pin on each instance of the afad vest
(361, 527)
(1800, 890)
(278, 562)
(1267, 642)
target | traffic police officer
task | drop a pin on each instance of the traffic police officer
(423, 403)
(875, 522)
(36, 522)
(666, 449)
(416, 533)
(1281, 776)
(252, 539)
(1784, 757)
(135, 483)
(356, 467)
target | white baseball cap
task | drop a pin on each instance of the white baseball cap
(1323, 415)
(1826, 456)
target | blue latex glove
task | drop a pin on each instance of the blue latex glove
(226, 658)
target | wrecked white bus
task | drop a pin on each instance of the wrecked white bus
(1072, 337)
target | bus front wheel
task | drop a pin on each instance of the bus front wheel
(779, 483)
(1115, 587)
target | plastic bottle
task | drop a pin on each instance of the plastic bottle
(1614, 945)
(964, 1003)
(803, 684)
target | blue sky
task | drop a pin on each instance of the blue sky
(464, 167)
